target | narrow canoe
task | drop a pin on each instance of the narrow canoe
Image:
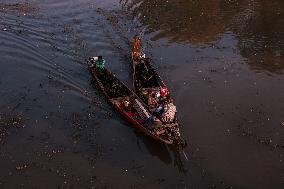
(147, 82)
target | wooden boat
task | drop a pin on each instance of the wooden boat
(117, 93)
(147, 82)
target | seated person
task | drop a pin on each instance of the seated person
(166, 111)
(162, 108)
(152, 99)
(154, 124)
(100, 62)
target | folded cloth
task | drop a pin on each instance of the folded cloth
(169, 114)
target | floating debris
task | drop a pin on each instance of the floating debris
(23, 8)
(112, 19)
(21, 167)
(7, 122)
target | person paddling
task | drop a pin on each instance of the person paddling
(100, 62)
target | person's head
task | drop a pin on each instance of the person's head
(100, 58)
(164, 92)
(158, 94)
(126, 103)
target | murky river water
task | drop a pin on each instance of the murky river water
(222, 60)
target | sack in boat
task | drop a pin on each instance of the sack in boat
(153, 123)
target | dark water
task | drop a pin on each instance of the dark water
(222, 60)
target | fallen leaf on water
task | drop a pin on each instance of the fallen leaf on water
(21, 167)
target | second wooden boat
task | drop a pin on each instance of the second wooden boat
(129, 105)
(149, 86)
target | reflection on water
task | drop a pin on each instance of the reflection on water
(184, 21)
(155, 148)
(260, 29)
(258, 25)
(167, 154)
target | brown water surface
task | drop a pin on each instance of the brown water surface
(222, 60)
